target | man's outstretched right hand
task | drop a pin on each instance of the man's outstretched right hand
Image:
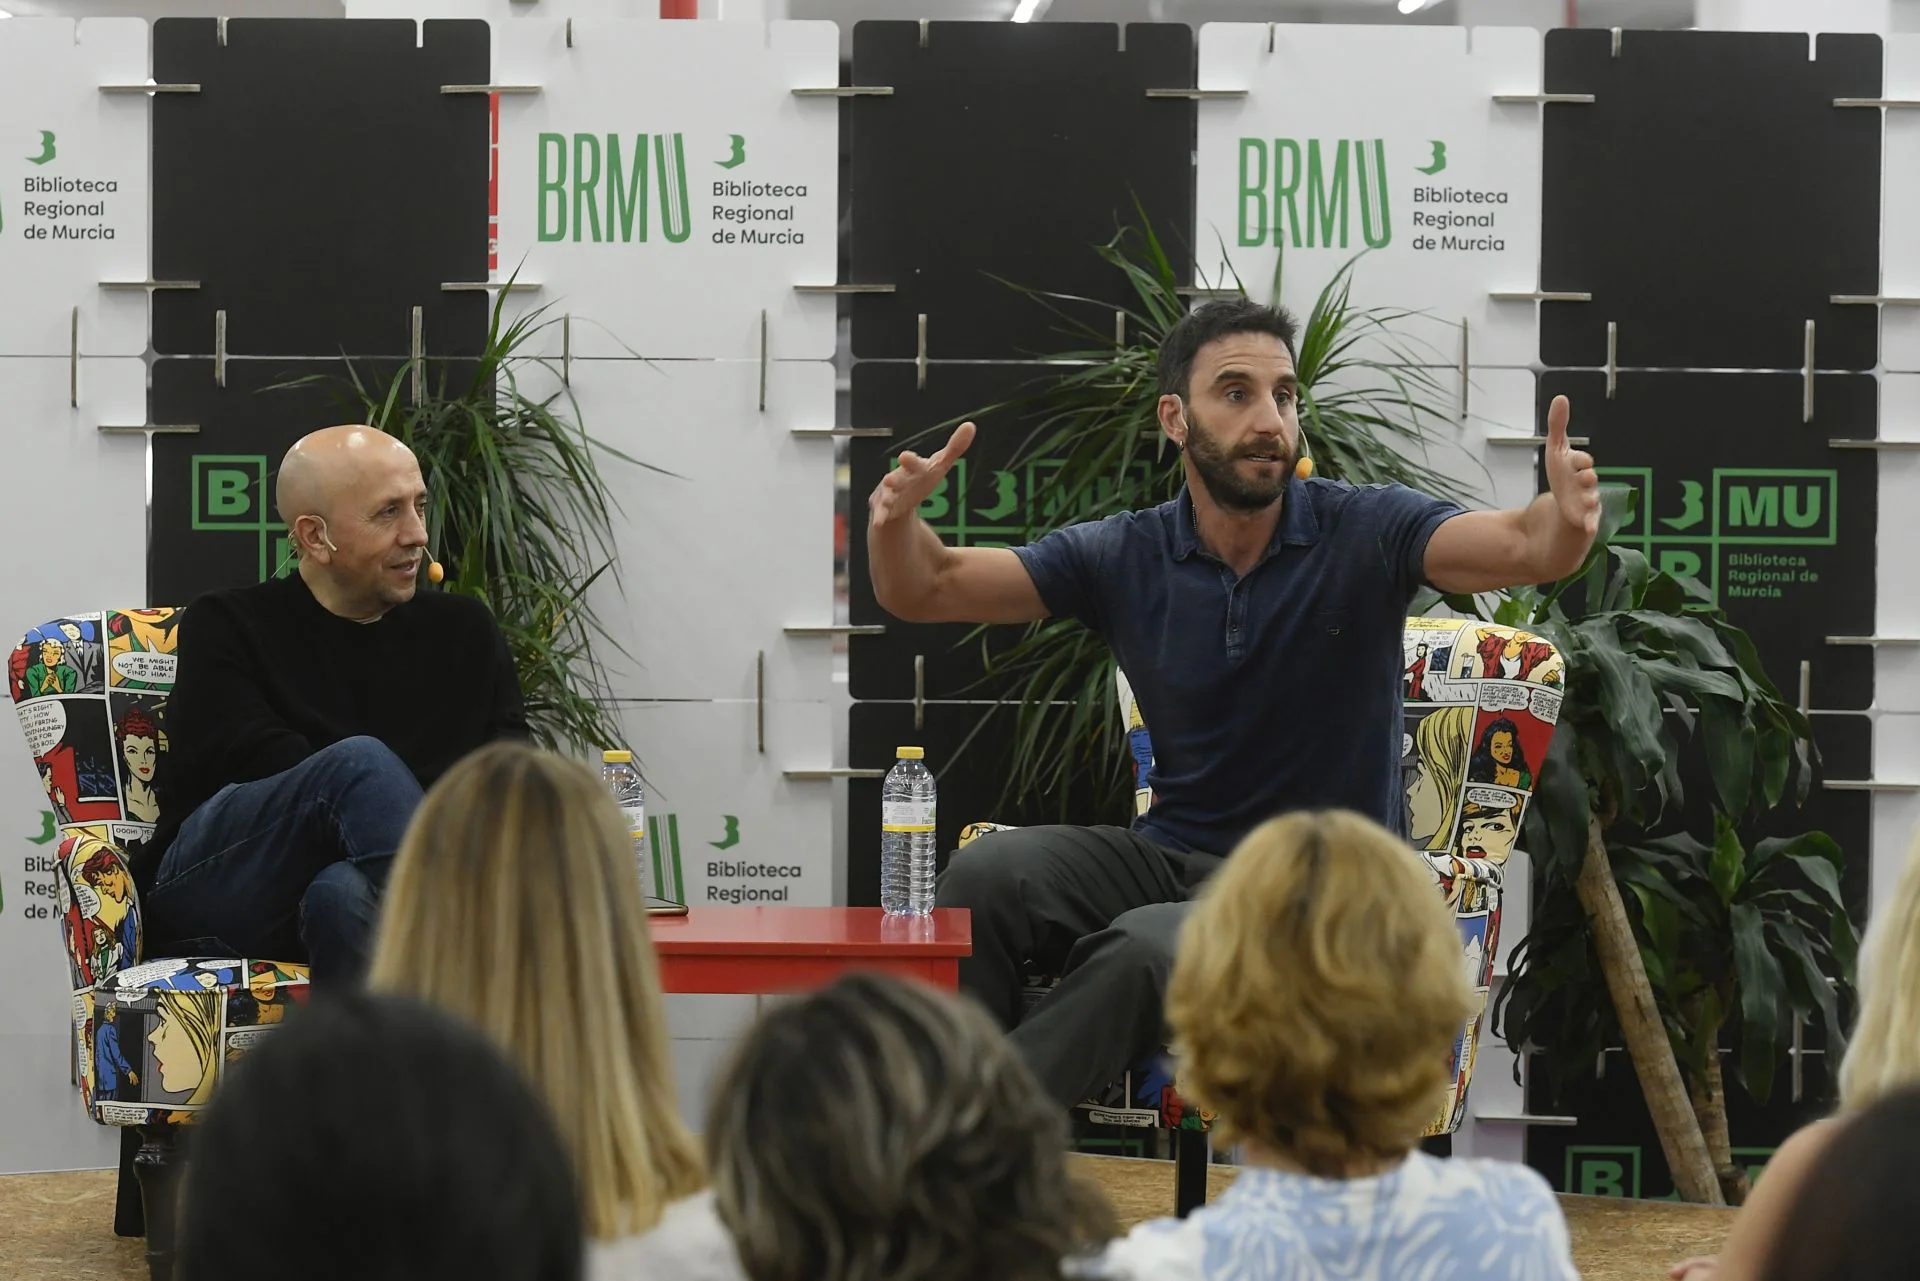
(900, 493)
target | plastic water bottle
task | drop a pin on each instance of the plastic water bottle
(906, 836)
(623, 780)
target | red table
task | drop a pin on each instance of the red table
(750, 950)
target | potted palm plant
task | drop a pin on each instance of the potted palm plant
(517, 508)
(1642, 930)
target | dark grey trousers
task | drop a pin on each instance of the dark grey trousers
(1099, 906)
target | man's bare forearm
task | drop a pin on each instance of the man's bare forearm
(905, 558)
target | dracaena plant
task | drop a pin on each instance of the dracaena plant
(1665, 697)
(517, 509)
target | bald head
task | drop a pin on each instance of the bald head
(324, 464)
(354, 502)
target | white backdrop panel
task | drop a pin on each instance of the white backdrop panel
(1384, 140)
(73, 514)
(1896, 817)
(1900, 207)
(1501, 407)
(42, 1125)
(739, 828)
(73, 186)
(737, 543)
(1896, 758)
(666, 187)
(1896, 668)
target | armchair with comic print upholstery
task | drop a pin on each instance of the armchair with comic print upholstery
(1480, 704)
(151, 1033)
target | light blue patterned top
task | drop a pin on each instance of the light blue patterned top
(1425, 1220)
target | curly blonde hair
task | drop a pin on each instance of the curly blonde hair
(878, 1130)
(1317, 991)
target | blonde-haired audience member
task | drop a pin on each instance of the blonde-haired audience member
(1882, 1057)
(1316, 992)
(882, 1130)
(514, 904)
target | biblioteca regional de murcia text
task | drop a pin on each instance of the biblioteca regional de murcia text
(745, 215)
(50, 211)
(1450, 220)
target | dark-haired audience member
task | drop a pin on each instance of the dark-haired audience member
(375, 1138)
(1852, 1218)
(881, 1130)
(1317, 990)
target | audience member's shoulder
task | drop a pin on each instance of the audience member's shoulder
(1521, 1200)
(1157, 1250)
(1508, 1179)
(689, 1244)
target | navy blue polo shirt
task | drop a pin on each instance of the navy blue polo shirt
(1273, 692)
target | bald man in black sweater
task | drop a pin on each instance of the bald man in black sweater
(309, 713)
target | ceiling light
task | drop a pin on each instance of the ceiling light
(1412, 6)
(1028, 10)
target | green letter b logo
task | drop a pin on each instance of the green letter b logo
(226, 492)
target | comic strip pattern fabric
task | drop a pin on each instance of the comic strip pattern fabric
(1481, 702)
(90, 692)
(153, 1040)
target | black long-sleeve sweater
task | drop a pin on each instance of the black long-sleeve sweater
(268, 676)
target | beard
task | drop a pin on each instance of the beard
(1218, 467)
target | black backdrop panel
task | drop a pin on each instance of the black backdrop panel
(996, 502)
(1753, 503)
(1010, 150)
(970, 781)
(213, 524)
(319, 186)
(1711, 199)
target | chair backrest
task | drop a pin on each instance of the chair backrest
(90, 691)
(1480, 705)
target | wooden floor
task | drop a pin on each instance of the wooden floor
(61, 1225)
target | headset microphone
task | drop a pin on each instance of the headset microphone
(434, 572)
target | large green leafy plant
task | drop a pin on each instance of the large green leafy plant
(1365, 382)
(1643, 930)
(517, 509)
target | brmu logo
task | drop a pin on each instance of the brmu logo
(1336, 183)
(600, 188)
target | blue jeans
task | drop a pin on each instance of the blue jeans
(289, 867)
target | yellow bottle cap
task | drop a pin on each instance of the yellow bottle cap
(617, 758)
(910, 753)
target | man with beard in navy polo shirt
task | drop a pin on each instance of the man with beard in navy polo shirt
(1258, 618)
